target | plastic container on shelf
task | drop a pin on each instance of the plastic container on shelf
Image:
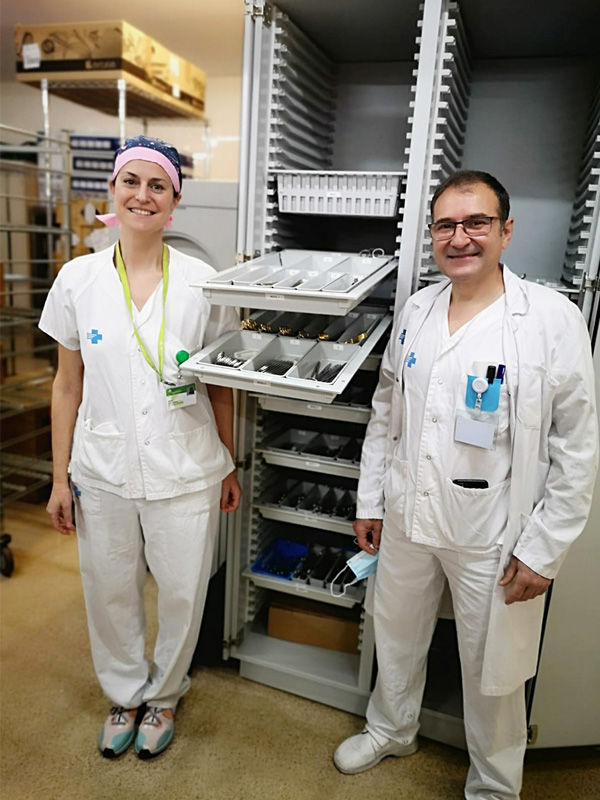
(353, 194)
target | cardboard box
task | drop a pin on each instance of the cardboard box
(175, 76)
(81, 47)
(309, 622)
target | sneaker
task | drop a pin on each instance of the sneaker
(118, 731)
(363, 751)
(155, 732)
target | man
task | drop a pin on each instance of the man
(477, 468)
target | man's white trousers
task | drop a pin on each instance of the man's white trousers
(117, 538)
(409, 585)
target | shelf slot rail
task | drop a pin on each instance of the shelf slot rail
(301, 117)
(437, 130)
(582, 254)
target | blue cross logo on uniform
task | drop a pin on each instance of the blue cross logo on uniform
(94, 336)
(77, 491)
(412, 359)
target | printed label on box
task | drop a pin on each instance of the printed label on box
(31, 56)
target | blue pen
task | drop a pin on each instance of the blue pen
(500, 372)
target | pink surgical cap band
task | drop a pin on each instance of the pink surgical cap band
(147, 154)
(112, 221)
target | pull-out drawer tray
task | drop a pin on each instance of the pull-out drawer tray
(306, 369)
(312, 281)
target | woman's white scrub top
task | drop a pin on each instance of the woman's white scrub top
(126, 440)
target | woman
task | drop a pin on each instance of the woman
(145, 454)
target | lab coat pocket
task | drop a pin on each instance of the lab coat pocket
(101, 453)
(476, 517)
(395, 489)
(533, 383)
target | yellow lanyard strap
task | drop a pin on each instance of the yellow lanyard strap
(127, 293)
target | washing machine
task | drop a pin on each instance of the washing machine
(204, 223)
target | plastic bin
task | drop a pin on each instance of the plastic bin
(353, 194)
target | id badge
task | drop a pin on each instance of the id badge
(477, 431)
(181, 396)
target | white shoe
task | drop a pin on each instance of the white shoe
(363, 751)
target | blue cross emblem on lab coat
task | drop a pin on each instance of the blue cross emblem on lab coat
(411, 360)
(77, 491)
(94, 336)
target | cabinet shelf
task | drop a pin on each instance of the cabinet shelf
(325, 466)
(324, 453)
(320, 521)
(337, 411)
(314, 672)
(354, 594)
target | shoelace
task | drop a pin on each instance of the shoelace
(119, 716)
(151, 717)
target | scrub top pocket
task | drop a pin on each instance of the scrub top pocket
(197, 453)
(475, 518)
(100, 454)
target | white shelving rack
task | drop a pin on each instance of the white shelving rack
(34, 173)
(349, 100)
(289, 115)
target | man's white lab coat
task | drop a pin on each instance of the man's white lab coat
(554, 444)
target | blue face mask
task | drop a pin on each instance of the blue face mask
(362, 565)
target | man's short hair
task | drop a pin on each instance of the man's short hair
(467, 177)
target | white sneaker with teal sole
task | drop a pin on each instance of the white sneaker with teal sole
(155, 732)
(365, 750)
(118, 731)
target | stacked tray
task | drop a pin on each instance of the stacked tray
(312, 504)
(312, 281)
(319, 452)
(308, 569)
(315, 368)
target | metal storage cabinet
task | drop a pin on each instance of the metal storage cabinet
(415, 91)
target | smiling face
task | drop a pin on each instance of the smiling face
(466, 258)
(143, 196)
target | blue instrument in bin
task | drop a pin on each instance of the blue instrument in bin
(281, 559)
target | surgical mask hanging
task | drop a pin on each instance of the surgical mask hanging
(362, 565)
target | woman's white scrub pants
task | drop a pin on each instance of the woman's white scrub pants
(117, 539)
(409, 585)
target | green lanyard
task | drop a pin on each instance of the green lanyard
(127, 293)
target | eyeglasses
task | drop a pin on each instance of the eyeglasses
(474, 226)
